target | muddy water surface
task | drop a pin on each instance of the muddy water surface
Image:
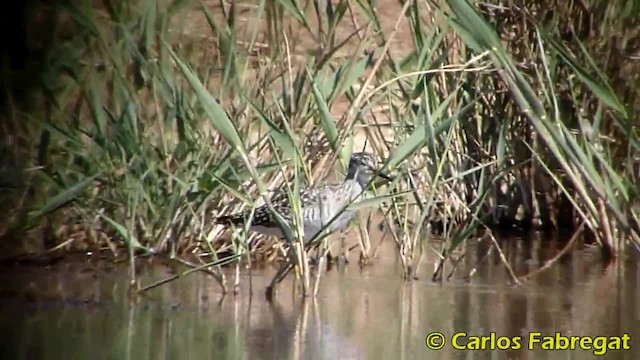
(80, 310)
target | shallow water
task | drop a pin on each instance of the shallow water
(80, 310)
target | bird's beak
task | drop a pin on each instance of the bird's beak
(384, 175)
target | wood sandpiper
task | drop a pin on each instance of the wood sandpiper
(321, 207)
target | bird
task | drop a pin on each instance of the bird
(322, 206)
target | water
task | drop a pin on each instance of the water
(80, 310)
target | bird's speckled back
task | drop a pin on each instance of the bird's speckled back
(319, 205)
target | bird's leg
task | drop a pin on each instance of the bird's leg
(317, 254)
(345, 247)
(284, 270)
(280, 275)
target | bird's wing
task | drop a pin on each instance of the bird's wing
(262, 215)
(310, 201)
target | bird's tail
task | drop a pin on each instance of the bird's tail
(233, 219)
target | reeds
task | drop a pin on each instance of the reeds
(155, 116)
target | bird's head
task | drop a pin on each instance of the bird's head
(363, 166)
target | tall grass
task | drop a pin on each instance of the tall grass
(157, 115)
